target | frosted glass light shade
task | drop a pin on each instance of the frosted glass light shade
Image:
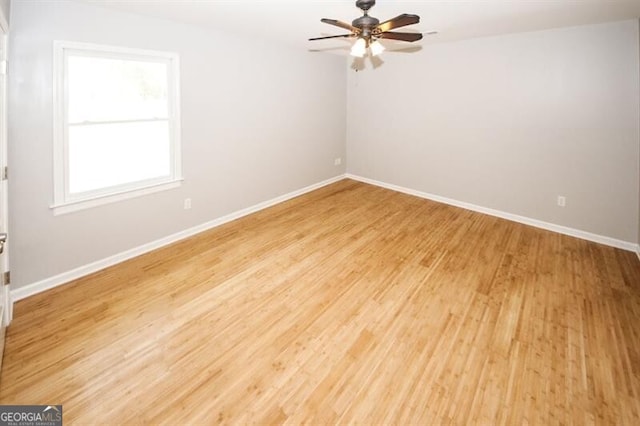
(376, 48)
(359, 48)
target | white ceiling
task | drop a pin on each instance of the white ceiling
(294, 21)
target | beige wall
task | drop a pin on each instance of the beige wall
(258, 121)
(509, 123)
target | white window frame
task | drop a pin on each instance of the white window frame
(64, 202)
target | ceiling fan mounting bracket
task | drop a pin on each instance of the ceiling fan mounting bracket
(365, 5)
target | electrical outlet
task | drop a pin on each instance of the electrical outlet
(562, 201)
(337, 161)
(187, 203)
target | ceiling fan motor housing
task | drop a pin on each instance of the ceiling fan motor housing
(365, 23)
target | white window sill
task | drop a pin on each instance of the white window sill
(73, 206)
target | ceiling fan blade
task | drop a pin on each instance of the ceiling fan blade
(335, 36)
(340, 24)
(401, 36)
(399, 21)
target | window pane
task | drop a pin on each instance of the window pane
(105, 89)
(106, 155)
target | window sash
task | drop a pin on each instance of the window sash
(62, 194)
(104, 68)
(120, 157)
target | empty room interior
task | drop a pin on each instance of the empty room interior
(321, 212)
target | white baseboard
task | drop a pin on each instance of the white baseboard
(625, 245)
(65, 277)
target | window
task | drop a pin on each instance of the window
(116, 124)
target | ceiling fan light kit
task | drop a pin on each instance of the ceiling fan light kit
(368, 30)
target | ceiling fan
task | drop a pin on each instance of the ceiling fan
(369, 30)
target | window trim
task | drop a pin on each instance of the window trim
(64, 202)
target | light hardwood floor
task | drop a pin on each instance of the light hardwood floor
(349, 304)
